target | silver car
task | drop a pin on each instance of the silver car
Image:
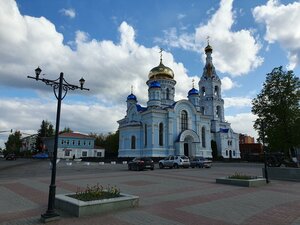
(174, 162)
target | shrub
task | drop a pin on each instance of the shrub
(241, 176)
(96, 192)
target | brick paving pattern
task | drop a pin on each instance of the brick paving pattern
(167, 197)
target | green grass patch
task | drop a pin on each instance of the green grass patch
(242, 176)
(96, 192)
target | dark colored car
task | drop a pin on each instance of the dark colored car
(141, 164)
(200, 162)
(11, 157)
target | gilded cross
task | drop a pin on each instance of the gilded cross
(161, 50)
(207, 39)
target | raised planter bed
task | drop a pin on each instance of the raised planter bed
(240, 182)
(81, 208)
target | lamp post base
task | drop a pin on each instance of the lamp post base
(48, 217)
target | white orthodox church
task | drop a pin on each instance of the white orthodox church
(185, 127)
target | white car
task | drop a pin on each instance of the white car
(174, 162)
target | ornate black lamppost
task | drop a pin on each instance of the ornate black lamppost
(59, 85)
(264, 151)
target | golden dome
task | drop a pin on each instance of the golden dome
(161, 72)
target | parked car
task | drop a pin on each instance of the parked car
(174, 162)
(141, 164)
(11, 157)
(200, 162)
(41, 156)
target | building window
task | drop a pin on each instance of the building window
(233, 153)
(218, 111)
(146, 133)
(203, 110)
(62, 142)
(83, 142)
(67, 152)
(133, 142)
(84, 154)
(226, 152)
(79, 142)
(168, 94)
(89, 143)
(184, 120)
(216, 91)
(99, 154)
(68, 142)
(73, 142)
(203, 137)
(203, 91)
(161, 134)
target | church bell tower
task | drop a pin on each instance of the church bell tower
(211, 102)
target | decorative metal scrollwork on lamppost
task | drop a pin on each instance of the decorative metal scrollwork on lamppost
(60, 88)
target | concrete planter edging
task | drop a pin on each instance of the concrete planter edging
(79, 208)
(283, 173)
(244, 183)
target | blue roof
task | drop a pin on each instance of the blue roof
(155, 84)
(140, 108)
(131, 97)
(193, 91)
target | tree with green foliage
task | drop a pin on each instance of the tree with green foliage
(66, 130)
(99, 139)
(46, 130)
(13, 143)
(214, 149)
(112, 143)
(277, 109)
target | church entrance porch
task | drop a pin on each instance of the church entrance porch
(188, 144)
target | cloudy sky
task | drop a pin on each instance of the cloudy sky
(114, 44)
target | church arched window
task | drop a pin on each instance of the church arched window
(218, 111)
(203, 110)
(167, 94)
(203, 137)
(216, 92)
(184, 120)
(133, 142)
(203, 91)
(146, 133)
(161, 134)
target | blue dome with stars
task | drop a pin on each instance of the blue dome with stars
(155, 84)
(131, 97)
(193, 91)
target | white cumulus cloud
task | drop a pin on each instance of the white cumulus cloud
(283, 26)
(68, 12)
(243, 123)
(237, 102)
(235, 52)
(227, 83)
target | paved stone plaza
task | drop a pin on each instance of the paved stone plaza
(167, 196)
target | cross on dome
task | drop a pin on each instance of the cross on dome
(161, 50)
(207, 39)
(131, 89)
